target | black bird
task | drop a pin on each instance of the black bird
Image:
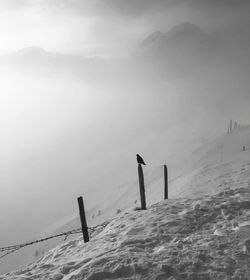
(140, 159)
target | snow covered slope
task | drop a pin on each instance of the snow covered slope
(215, 165)
(201, 232)
(175, 239)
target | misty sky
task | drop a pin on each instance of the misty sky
(107, 27)
(72, 127)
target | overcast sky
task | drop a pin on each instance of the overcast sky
(106, 27)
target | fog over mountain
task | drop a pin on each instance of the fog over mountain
(86, 85)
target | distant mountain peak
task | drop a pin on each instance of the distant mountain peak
(185, 28)
(184, 43)
(184, 31)
(32, 51)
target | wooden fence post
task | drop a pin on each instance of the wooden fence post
(231, 125)
(142, 187)
(165, 182)
(83, 220)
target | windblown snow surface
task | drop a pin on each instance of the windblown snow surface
(201, 232)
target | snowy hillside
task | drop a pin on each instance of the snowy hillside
(201, 232)
(175, 239)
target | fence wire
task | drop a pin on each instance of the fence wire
(13, 248)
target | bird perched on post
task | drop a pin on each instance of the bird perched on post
(140, 159)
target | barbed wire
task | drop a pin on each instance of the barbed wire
(14, 248)
(178, 234)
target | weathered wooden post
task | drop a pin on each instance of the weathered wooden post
(142, 187)
(231, 125)
(165, 182)
(83, 220)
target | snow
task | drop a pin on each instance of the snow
(201, 232)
